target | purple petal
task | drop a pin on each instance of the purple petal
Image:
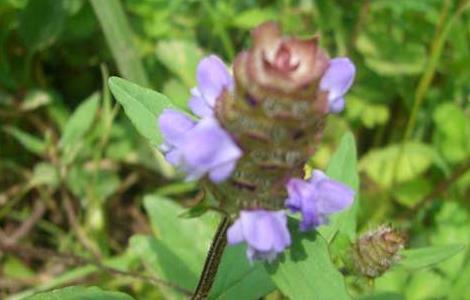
(264, 230)
(298, 190)
(235, 233)
(199, 106)
(336, 106)
(334, 196)
(317, 198)
(209, 146)
(173, 126)
(265, 233)
(212, 78)
(174, 156)
(222, 172)
(338, 79)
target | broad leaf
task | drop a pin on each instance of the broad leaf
(343, 167)
(79, 293)
(239, 279)
(178, 251)
(452, 134)
(305, 270)
(382, 165)
(424, 257)
(142, 106)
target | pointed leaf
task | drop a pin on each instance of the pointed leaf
(142, 106)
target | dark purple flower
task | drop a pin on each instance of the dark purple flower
(265, 233)
(337, 80)
(212, 78)
(198, 148)
(317, 198)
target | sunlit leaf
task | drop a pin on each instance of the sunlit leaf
(239, 279)
(343, 167)
(305, 270)
(142, 106)
(424, 257)
(382, 165)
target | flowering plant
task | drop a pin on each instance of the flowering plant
(247, 138)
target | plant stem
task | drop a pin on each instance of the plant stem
(213, 259)
(119, 37)
(442, 31)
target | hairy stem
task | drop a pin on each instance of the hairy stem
(213, 259)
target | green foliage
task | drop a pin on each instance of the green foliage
(80, 293)
(343, 167)
(305, 270)
(67, 149)
(424, 257)
(397, 163)
(142, 106)
(41, 23)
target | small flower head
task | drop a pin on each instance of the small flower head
(337, 80)
(376, 251)
(279, 64)
(265, 233)
(317, 198)
(212, 79)
(198, 148)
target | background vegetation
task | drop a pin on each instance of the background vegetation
(82, 194)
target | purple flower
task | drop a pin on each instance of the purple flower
(337, 80)
(265, 233)
(198, 148)
(317, 198)
(212, 78)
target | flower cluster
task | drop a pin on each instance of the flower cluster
(204, 147)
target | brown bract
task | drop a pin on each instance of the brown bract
(279, 65)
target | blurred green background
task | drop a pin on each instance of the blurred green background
(74, 172)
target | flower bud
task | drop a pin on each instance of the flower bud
(376, 251)
(277, 65)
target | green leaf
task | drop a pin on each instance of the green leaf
(383, 296)
(80, 121)
(381, 164)
(343, 167)
(424, 257)
(41, 22)
(119, 37)
(161, 259)
(239, 279)
(45, 174)
(251, 18)
(27, 140)
(411, 192)
(381, 56)
(305, 271)
(452, 134)
(178, 251)
(181, 57)
(370, 114)
(79, 293)
(142, 106)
